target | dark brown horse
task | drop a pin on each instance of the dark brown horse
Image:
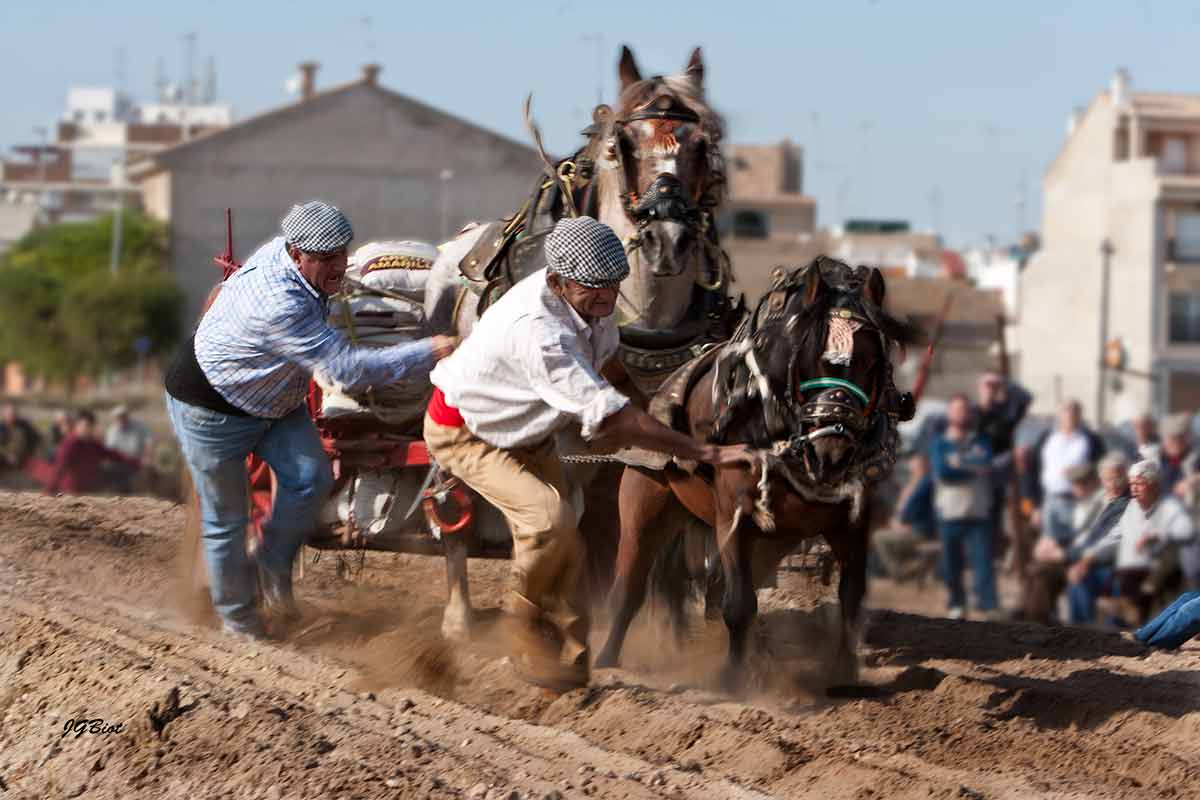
(807, 382)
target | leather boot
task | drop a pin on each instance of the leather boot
(276, 594)
(535, 646)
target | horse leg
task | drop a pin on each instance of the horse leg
(642, 501)
(851, 553)
(739, 606)
(456, 620)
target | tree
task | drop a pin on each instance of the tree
(62, 314)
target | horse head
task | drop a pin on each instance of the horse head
(822, 342)
(659, 179)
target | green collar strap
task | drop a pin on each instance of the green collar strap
(835, 383)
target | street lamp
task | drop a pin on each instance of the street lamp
(1106, 254)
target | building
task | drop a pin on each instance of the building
(16, 220)
(1119, 265)
(397, 167)
(81, 172)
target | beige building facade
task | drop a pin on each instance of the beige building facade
(1127, 175)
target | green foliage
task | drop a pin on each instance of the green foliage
(62, 314)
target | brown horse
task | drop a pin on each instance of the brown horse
(652, 170)
(807, 382)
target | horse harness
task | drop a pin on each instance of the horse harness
(826, 406)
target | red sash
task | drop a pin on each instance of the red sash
(442, 412)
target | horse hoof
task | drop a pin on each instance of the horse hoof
(456, 630)
(730, 680)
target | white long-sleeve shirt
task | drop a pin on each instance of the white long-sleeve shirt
(530, 367)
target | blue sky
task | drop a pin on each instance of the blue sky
(897, 103)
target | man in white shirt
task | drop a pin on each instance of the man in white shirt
(529, 368)
(1069, 445)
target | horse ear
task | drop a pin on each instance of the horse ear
(695, 68)
(875, 287)
(628, 69)
(814, 284)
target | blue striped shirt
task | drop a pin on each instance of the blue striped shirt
(266, 333)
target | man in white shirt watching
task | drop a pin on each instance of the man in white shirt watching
(529, 368)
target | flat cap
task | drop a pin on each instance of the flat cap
(317, 227)
(587, 252)
(1179, 424)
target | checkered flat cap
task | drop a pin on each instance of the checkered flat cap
(587, 252)
(317, 227)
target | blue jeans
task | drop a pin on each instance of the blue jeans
(1081, 597)
(1057, 518)
(975, 537)
(215, 447)
(1177, 623)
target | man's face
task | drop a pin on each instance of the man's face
(84, 428)
(990, 390)
(323, 271)
(122, 420)
(1143, 429)
(1176, 446)
(958, 413)
(1144, 491)
(1115, 482)
(1068, 416)
(591, 303)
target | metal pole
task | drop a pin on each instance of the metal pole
(445, 176)
(1106, 253)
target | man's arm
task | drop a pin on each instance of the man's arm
(301, 336)
(632, 427)
(940, 466)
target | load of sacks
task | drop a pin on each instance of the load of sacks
(383, 303)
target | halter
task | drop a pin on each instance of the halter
(834, 383)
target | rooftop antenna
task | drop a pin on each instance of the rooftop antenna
(210, 81)
(119, 74)
(160, 79)
(189, 68)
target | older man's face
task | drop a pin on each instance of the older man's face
(323, 271)
(1144, 491)
(591, 303)
(1068, 416)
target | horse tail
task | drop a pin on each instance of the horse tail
(686, 568)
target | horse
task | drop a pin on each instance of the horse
(807, 382)
(651, 170)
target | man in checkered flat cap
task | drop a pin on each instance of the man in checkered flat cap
(239, 386)
(532, 366)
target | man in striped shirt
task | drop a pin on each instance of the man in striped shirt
(239, 387)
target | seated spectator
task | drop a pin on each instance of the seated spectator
(1176, 624)
(1100, 503)
(60, 429)
(131, 438)
(80, 458)
(19, 440)
(1122, 560)
(898, 546)
(961, 460)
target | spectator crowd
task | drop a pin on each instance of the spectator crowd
(1099, 530)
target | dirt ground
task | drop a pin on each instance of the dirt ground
(365, 701)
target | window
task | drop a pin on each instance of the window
(1174, 155)
(749, 224)
(1185, 245)
(1184, 321)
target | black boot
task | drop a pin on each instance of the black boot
(275, 592)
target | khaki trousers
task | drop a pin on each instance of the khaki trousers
(529, 488)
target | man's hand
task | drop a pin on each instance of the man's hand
(443, 346)
(730, 455)
(1048, 551)
(1146, 542)
(1079, 570)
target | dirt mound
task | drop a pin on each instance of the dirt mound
(364, 699)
